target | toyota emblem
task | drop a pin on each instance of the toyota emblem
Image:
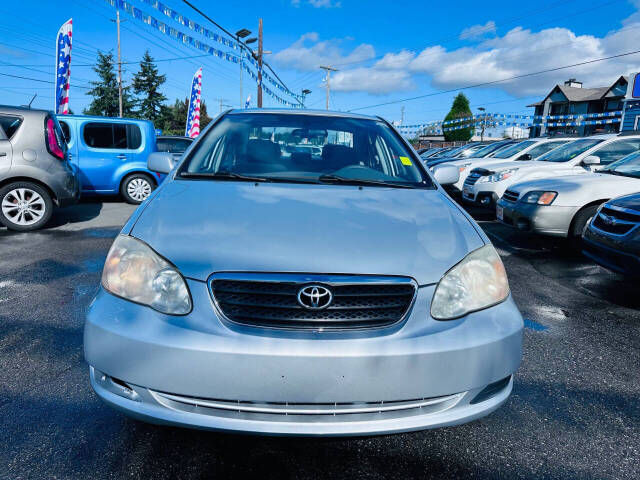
(314, 297)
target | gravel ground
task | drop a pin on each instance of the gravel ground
(574, 412)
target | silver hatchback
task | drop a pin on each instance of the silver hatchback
(35, 172)
(270, 288)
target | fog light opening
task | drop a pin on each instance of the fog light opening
(491, 390)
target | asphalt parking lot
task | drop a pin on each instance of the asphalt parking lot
(574, 412)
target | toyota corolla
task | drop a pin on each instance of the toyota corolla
(272, 288)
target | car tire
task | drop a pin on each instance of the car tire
(579, 222)
(136, 188)
(24, 206)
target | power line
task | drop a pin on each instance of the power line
(493, 82)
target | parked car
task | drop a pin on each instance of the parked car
(111, 155)
(485, 185)
(35, 173)
(339, 296)
(430, 152)
(579, 156)
(485, 152)
(612, 238)
(562, 206)
(520, 150)
(173, 144)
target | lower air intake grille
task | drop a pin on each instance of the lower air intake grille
(276, 301)
(510, 196)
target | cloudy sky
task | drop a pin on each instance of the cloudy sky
(384, 51)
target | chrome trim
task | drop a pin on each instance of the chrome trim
(326, 279)
(621, 209)
(304, 409)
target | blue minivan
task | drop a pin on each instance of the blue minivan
(111, 155)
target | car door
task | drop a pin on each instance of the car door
(612, 152)
(8, 125)
(104, 149)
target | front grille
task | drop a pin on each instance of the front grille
(616, 222)
(307, 412)
(471, 179)
(271, 300)
(510, 196)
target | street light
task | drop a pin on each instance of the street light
(482, 109)
(305, 92)
(240, 34)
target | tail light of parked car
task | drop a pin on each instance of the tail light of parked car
(53, 138)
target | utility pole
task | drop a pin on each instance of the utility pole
(222, 104)
(117, 20)
(402, 115)
(484, 118)
(260, 53)
(328, 69)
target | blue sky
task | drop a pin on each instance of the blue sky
(386, 51)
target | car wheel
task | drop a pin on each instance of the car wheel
(136, 188)
(579, 222)
(24, 206)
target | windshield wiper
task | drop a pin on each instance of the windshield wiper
(614, 172)
(330, 178)
(224, 176)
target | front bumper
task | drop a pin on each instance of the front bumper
(550, 220)
(189, 370)
(616, 257)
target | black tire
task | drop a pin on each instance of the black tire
(579, 222)
(136, 188)
(35, 212)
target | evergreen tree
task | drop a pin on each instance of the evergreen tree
(459, 109)
(173, 119)
(146, 84)
(105, 91)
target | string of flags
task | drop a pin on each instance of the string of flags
(489, 120)
(185, 39)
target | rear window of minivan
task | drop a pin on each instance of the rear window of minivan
(117, 136)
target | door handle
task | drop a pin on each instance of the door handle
(121, 156)
(3, 154)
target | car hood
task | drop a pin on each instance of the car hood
(628, 201)
(204, 227)
(578, 190)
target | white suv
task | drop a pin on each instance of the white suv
(485, 186)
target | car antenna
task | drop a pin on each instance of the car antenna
(32, 99)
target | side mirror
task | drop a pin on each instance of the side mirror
(591, 160)
(446, 174)
(161, 162)
(526, 156)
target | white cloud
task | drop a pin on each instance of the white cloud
(308, 53)
(371, 80)
(518, 52)
(478, 31)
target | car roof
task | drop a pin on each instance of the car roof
(299, 111)
(23, 111)
(181, 137)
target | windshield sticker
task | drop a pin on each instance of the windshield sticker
(406, 161)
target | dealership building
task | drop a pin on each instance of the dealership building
(572, 99)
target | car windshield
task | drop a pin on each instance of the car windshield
(173, 145)
(569, 151)
(304, 148)
(469, 152)
(628, 166)
(483, 152)
(514, 149)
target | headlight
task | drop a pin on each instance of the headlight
(135, 272)
(541, 198)
(499, 176)
(477, 282)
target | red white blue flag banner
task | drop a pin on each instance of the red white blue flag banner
(63, 63)
(193, 115)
